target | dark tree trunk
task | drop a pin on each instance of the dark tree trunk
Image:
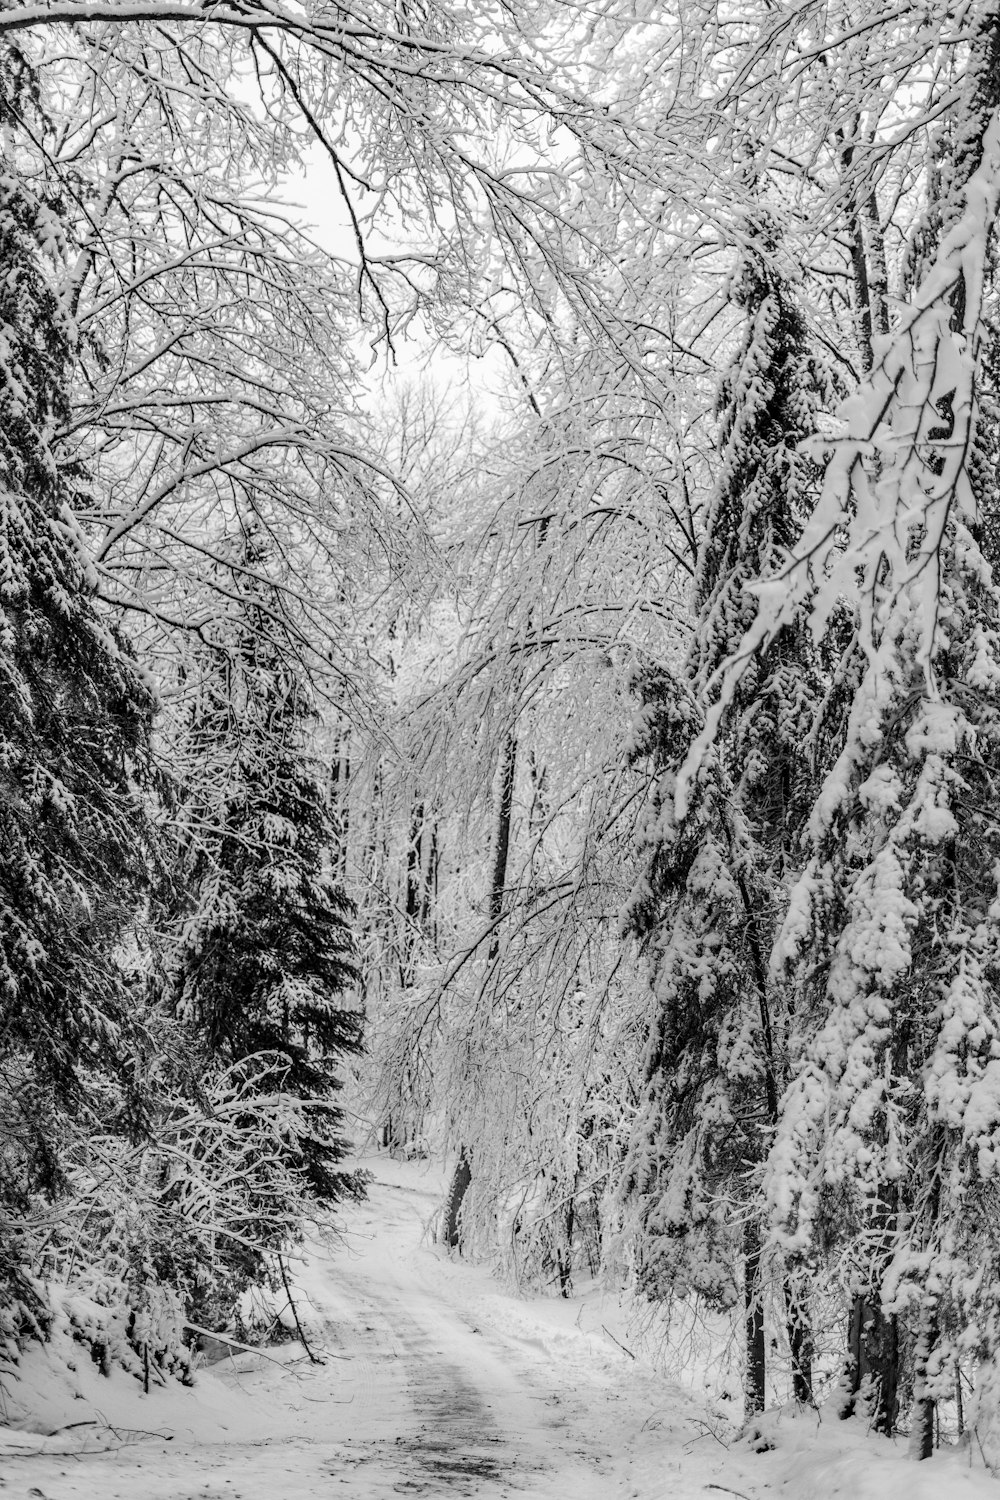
(415, 896)
(461, 1181)
(754, 1309)
(878, 281)
(462, 1178)
(505, 812)
(868, 268)
(924, 1405)
(800, 1343)
(564, 1258)
(862, 291)
(340, 779)
(753, 1304)
(855, 1353)
(873, 1347)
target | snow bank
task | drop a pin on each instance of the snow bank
(818, 1457)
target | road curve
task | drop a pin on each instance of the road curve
(477, 1409)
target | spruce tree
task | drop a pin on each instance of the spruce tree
(263, 968)
(714, 881)
(886, 1156)
(75, 717)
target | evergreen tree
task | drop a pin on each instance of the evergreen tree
(886, 1155)
(74, 723)
(715, 879)
(263, 967)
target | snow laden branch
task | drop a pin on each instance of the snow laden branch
(339, 30)
(895, 472)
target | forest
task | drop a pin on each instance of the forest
(516, 675)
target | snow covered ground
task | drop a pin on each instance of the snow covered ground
(436, 1382)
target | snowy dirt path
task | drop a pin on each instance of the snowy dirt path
(435, 1382)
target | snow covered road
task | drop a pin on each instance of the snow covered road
(482, 1402)
(435, 1382)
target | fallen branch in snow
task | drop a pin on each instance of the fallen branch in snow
(224, 1338)
(314, 1359)
(707, 1431)
(618, 1342)
(123, 1437)
(727, 1490)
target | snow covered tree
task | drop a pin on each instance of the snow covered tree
(512, 703)
(260, 961)
(75, 715)
(884, 1156)
(714, 883)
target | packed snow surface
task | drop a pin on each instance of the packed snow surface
(435, 1382)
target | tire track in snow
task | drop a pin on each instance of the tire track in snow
(483, 1411)
(448, 1440)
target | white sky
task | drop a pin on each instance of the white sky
(317, 205)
